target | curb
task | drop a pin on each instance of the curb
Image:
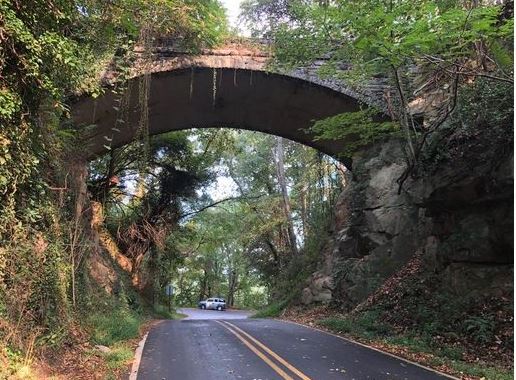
(137, 358)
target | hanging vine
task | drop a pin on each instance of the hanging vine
(192, 74)
(214, 87)
(144, 84)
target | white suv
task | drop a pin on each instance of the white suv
(213, 304)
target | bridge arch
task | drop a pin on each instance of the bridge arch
(219, 89)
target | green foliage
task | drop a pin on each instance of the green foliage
(360, 128)
(238, 247)
(422, 47)
(119, 356)
(486, 103)
(252, 297)
(366, 325)
(144, 220)
(273, 310)
(53, 339)
(480, 371)
(39, 270)
(14, 357)
(424, 344)
(111, 320)
(51, 51)
(162, 312)
(482, 329)
(117, 326)
(484, 119)
(262, 15)
(376, 35)
(10, 104)
(502, 55)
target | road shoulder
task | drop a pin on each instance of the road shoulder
(373, 347)
(456, 369)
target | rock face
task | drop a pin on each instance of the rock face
(458, 215)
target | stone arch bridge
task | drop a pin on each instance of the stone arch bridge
(226, 87)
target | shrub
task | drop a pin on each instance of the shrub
(109, 328)
(273, 310)
(366, 325)
(480, 328)
(339, 325)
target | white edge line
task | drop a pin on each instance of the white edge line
(137, 358)
(372, 348)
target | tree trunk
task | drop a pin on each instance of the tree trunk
(79, 176)
(280, 168)
(304, 210)
(232, 286)
(202, 290)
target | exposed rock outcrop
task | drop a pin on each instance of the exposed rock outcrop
(457, 214)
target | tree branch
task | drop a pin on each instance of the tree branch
(214, 204)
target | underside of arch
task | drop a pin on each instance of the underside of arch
(214, 98)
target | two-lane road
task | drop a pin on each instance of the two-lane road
(212, 347)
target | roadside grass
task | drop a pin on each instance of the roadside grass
(162, 312)
(115, 325)
(116, 359)
(120, 354)
(367, 328)
(271, 311)
(482, 372)
(119, 325)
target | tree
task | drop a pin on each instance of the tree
(52, 51)
(426, 49)
(282, 181)
(247, 235)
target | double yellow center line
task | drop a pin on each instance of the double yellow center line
(255, 345)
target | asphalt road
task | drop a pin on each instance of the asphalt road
(253, 349)
(213, 314)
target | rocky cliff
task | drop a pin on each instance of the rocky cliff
(456, 211)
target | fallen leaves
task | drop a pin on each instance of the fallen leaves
(414, 287)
